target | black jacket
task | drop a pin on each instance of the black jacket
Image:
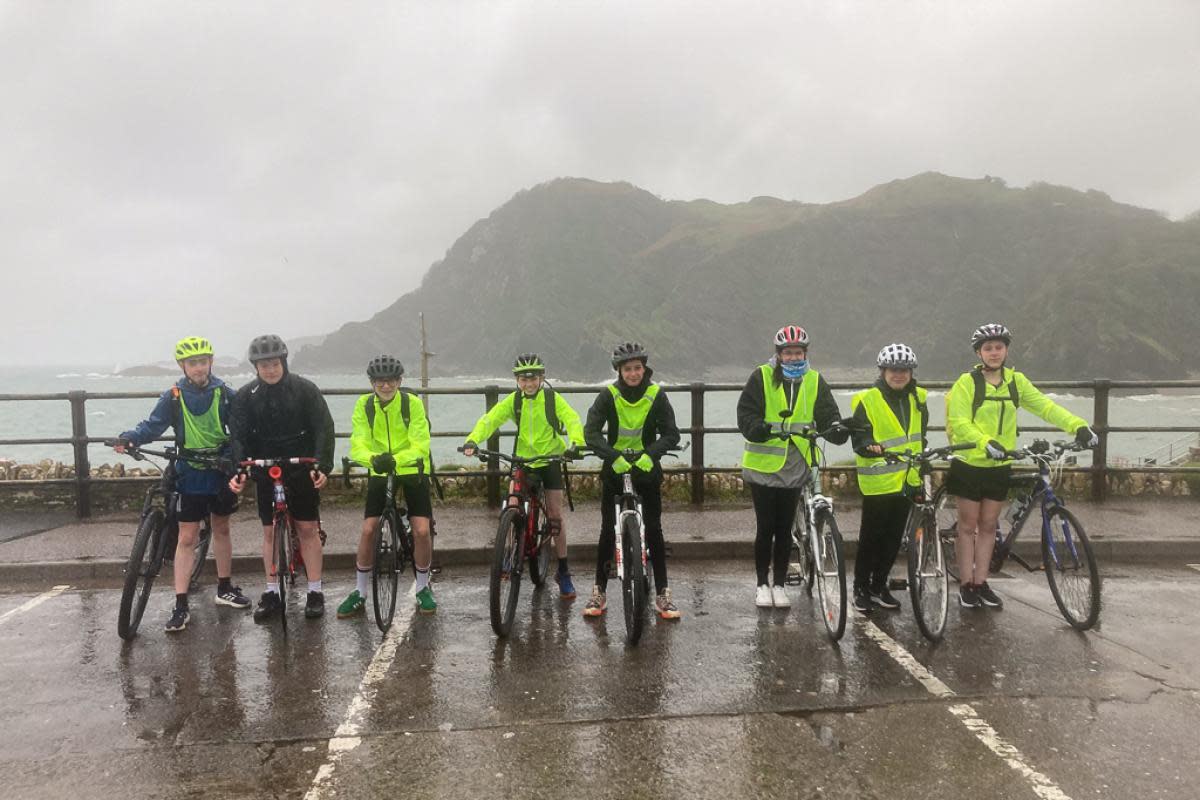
(285, 420)
(752, 407)
(861, 433)
(659, 433)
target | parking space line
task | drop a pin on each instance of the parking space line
(1042, 786)
(346, 737)
(34, 602)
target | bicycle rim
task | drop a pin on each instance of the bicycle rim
(928, 582)
(1071, 569)
(505, 580)
(200, 553)
(139, 574)
(280, 566)
(946, 513)
(385, 572)
(539, 565)
(633, 585)
(830, 568)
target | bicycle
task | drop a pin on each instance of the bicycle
(393, 546)
(522, 534)
(1067, 556)
(286, 558)
(818, 556)
(157, 536)
(928, 581)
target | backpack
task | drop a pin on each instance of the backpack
(981, 392)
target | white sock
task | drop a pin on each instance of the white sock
(314, 586)
(422, 578)
(273, 587)
(362, 579)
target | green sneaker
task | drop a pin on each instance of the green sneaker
(352, 606)
(425, 602)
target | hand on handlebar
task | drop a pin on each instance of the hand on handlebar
(119, 445)
(645, 463)
(383, 463)
(995, 450)
(319, 479)
(468, 449)
(238, 482)
(620, 466)
(874, 448)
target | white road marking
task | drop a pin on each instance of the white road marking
(346, 737)
(34, 603)
(1042, 786)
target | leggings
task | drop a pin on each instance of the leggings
(882, 528)
(649, 487)
(774, 512)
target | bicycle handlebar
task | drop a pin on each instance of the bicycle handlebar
(1040, 449)
(925, 456)
(811, 433)
(564, 458)
(347, 462)
(139, 453)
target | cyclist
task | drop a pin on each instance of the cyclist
(542, 417)
(892, 416)
(282, 415)
(981, 408)
(197, 407)
(638, 416)
(776, 469)
(388, 437)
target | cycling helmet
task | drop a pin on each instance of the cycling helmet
(528, 362)
(628, 351)
(384, 367)
(791, 336)
(988, 332)
(897, 356)
(267, 346)
(190, 346)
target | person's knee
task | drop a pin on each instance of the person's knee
(189, 534)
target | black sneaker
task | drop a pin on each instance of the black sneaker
(968, 596)
(884, 599)
(862, 601)
(268, 606)
(315, 607)
(232, 597)
(178, 621)
(988, 597)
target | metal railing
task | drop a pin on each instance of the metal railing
(1100, 469)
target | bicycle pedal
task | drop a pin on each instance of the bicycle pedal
(898, 585)
(794, 580)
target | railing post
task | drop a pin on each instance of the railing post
(697, 444)
(491, 396)
(1100, 455)
(79, 437)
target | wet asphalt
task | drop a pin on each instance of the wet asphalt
(731, 701)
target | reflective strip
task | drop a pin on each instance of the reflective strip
(764, 449)
(789, 427)
(629, 433)
(882, 469)
(899, 440)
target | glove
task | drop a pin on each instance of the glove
(996, 450)
(759, 431)
(384, 463)
(572, 454)
(620, 466)
(1086, 437)
(645, 463)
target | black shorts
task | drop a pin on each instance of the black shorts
(303, 499)
(978, 483)
(195, 507)
(549, 476)
(414, 489)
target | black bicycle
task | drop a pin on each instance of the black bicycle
(157, 535)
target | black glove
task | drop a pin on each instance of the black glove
(572, 454)
(760, 431)
(1086, 437)
(384, 463)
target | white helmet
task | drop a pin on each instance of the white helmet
(897, 356)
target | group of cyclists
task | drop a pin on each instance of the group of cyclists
(282, 415)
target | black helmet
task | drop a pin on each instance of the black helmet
(988, 332)
(528, 362)
(267, 346)
(628, 351)
(384, 367)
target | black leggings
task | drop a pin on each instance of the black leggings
(649, 487)
(774, 512)
(882, 528)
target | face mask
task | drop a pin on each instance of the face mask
(794, 370)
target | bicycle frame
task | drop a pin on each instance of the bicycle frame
(1041, 493)
(529, 500)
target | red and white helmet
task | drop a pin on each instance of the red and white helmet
(791, 336)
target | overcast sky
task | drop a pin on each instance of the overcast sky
(229, 169)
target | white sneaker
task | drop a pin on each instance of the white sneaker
(780, 595)
(763, 598)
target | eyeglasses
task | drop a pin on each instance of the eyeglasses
(385, 382)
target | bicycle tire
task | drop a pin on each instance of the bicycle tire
(281, 565)
(385, 571)
(504, 584)
(800, 571)
(928, 581)
(633, 585)
(539, 567)
(946, 512)
(405, 556)
(200, 553)
(830, 568)
(1073, 577)
(139, 574)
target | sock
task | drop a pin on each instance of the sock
(273, 587)
(181, 600)
(314, 586)
(362, 580)
(422, 578)
(562, 565)
(224, 585)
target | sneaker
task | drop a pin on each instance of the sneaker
(352, 606)
(268, 606)
(233, 598)
(779, 597)
(968, 596)
(315, 607)
(178, 621)
(425, 602)
(566, 589)
(666, 609)
(597, 604)
(884, 599)
(862, 601)
(988, 597)
(763, 597)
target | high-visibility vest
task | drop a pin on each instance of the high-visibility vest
(876, 476)
(771, 455)
(631, 417)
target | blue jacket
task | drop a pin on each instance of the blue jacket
(199, 401)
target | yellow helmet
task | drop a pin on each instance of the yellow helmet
(191, 346)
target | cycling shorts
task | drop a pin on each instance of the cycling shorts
(195, 507)
(303, 499)
(413, 489)
(978, 483)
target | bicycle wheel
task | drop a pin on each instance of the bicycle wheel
(404, 556)
(800, 571)
(1071, 569)
(539, 566)
(140, 572)
(281, 564)
(385, 573)
(928, 582)
(505, 583)
(946, 513)
(633, 585)
(200, 553)
(830, 567)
